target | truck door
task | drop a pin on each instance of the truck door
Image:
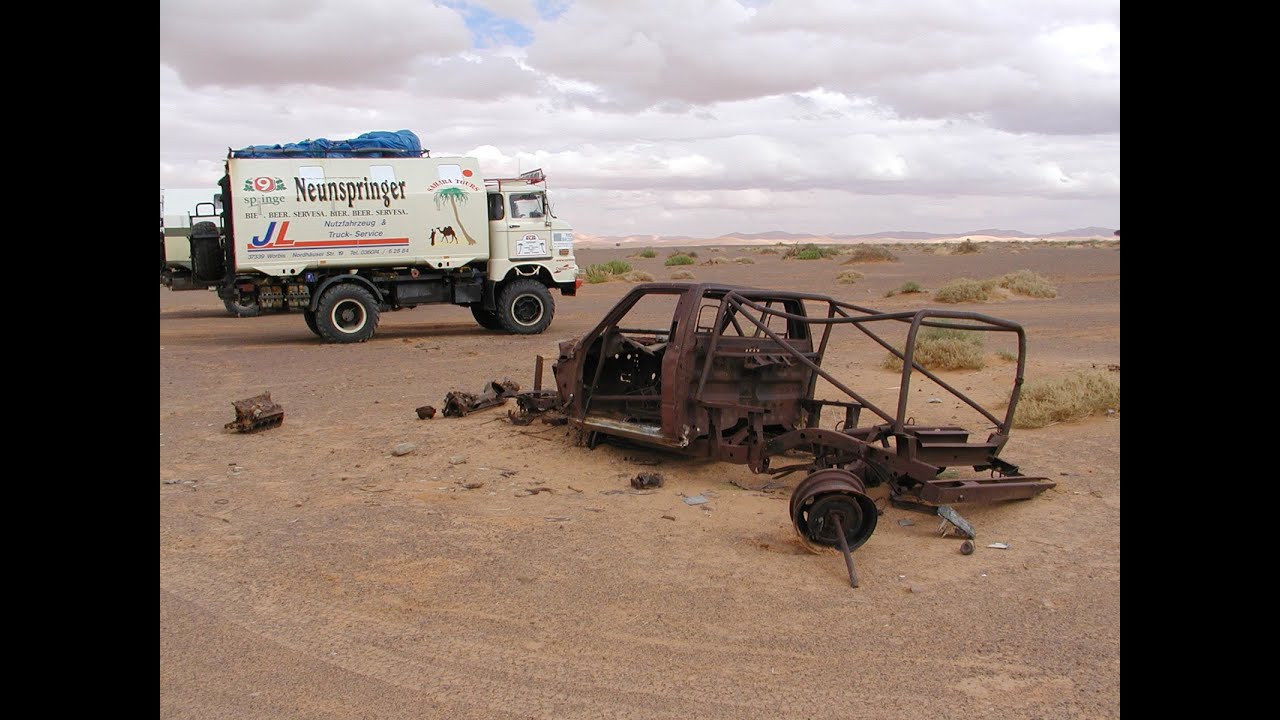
(528, 226)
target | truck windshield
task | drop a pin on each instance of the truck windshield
(527, 205)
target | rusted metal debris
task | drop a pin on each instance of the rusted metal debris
(731, 376)
(458, 403)
(256, 413)
(644, 481)
(542, 404)
(426, 412)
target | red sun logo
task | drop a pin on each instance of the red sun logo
(466, 173)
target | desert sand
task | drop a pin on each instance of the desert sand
(306, 572)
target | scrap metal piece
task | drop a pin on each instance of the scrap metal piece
(844, 548)
(962, 526)
(426, 412)
(256, 413)
(458, 403)
(644, 481)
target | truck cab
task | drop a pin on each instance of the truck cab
(523, 229)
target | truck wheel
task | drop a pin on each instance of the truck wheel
(347, 313)
(487, 320)
(525, 307)
(243, 306)
(310, 317)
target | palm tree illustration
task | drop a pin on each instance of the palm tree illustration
(454, 195)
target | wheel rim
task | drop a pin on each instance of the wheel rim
(349, 316)
(527, 309)
(245, 302)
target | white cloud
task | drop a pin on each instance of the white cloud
(687, 117)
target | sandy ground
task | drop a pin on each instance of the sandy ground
(305, 572)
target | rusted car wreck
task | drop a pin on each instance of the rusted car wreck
(733, 376)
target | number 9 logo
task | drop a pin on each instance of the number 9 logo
(263, 184)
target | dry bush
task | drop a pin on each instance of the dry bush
(870, 254)
(968, 247)
(944, 349)
(715, 261)
(637, 276)
(965, 290)
(848, 277)
(679, 259)
(1067, 398)
(744, 260)
(683, 275)
(1025, 282)
(906, 288)
(766, 251)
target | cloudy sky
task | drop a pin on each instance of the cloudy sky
(697, 117)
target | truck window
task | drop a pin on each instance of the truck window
(495, 207)
(449, 172)
(378, 173)
(526, 205)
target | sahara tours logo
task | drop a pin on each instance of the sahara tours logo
(263, 184)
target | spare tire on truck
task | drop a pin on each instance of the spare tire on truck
(206, 252)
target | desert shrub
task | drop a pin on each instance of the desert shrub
(595, 274)
(1067, 398)
(944, 349)
(766, 251)
(637, 276)
(744, 260)
(848, 277)
(715, 261)
(648, 253)
(968, 247)
(1007, 355)
(606, 271)
(870, 253)
(809, 251)
(965, 290)
(1025, 282)
(680, 259)
(683, 275)
(906, 288)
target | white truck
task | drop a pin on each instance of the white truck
(346, 238)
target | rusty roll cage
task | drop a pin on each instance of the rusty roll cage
(734, 299)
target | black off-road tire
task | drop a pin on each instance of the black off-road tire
(486, 319)
(525, 307)
(347, 313)
(310, 318)
(245, 306)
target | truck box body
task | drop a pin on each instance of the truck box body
(294, 214)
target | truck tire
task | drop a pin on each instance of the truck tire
(244, 306)
(525, 307)
(310, 318)
(346, 313)
(487, 320)
(207, 263)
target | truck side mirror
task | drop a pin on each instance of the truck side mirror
(217, 204)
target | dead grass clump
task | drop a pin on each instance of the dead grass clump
(683, 275)
(744, 260)
(869, 254)
(715, 261)
(1025, 282)
(766, 251)
(848, 277)
(944, 349)
(637, 276)
(965, 290)
(1067, 398)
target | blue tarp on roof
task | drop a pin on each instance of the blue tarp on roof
(381, 143)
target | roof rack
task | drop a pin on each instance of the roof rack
(533, 177)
